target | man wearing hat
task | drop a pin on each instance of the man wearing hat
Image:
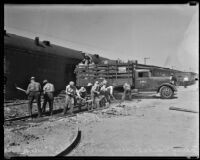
(71, 92)
(185, 81)
(127, 91)
(95, 95)
(82, 92)
(81, 98)
(107, 91)
(33, 92)
(48, 91)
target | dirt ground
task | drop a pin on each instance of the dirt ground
(142, 127)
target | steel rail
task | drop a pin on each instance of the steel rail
(72, 146)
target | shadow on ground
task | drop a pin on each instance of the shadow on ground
(151, 97)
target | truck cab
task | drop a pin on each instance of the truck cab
(145, 82)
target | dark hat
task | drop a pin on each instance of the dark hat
(32, 78)
(45, 81)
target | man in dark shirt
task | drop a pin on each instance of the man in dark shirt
(33, 92)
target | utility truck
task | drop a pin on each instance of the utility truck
(117, 74)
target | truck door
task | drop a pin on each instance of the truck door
(142, 80)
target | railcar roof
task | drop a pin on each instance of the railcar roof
(15, 41)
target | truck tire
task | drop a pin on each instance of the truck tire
(166, 92)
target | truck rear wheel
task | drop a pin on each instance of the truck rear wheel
(166, 92)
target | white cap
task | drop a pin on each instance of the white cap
(71, 83)
(89, 84)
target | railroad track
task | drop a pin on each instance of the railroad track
(76, 111)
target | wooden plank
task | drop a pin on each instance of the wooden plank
(181, 109)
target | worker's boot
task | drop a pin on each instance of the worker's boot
(65, 111)
(43, 110)
(71, 109)
(39, 115)
(30, 116)
(51, 113)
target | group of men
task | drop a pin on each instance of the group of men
(34, 92)
(99, 92)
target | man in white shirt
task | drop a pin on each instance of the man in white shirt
(173, 79)
(185, 81)
(71, 92)
(81, 98)
(48, 91)
(127, 90)
(95, 95)
(107, 91)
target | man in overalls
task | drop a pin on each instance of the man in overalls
(127, 91)
(48, 91)
(70, 97)
(33, 92)
(107, 91)
(95, 95)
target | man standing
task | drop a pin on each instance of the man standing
(173, 79)
(127, 90)
(70, 97)
(48, 91)
(105, 91)
(95, 95)
(185, 81)
(33, 92)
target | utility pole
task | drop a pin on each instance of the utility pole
(145, 58)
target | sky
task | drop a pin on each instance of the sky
(167, 34)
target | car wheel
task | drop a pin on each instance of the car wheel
(166, 92)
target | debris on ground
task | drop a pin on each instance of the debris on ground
(19, 108)
(37, 139)
(118, 110)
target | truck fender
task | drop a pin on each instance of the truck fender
(167, 84)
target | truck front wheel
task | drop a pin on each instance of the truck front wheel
(166, 92)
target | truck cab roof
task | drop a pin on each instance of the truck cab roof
(142, 70)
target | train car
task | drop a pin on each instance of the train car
(24, 57)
